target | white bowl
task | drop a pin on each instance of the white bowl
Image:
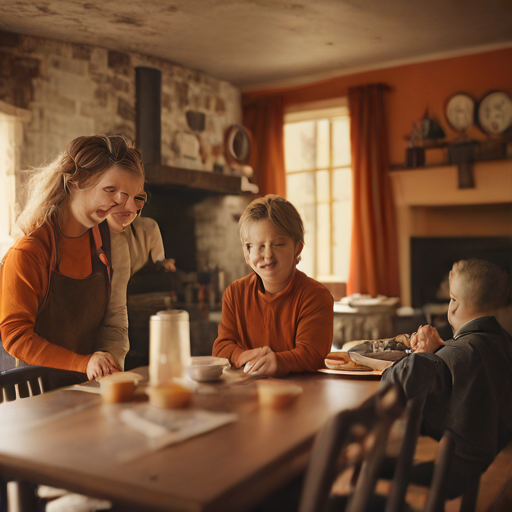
(207, 369)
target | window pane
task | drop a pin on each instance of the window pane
(300, 146)
(342, 184)
(301, 193)
(341, 141)
(323, 240)
(342, 224)
(323, 149)
(323, 187)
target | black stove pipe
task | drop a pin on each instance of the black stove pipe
(148, 91)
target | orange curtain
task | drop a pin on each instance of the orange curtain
(374, 254)
(264, 118)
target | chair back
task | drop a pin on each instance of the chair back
(374, 418)
(28, 381)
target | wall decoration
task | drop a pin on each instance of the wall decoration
(495, 113)
(460, 112)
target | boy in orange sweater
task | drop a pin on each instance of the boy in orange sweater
(276, 320)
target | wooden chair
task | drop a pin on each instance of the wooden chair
(28, 381)
(21, 383)
(373, 418)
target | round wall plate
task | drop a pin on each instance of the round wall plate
(495, 112)
(460, 110)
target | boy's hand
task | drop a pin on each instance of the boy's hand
(258, 361)
(101, 364)
(427, 339)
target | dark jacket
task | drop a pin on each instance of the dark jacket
(468, 384)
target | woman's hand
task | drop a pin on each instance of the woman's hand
(101, 364)
(259, 361)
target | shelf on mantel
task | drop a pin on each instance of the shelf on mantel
(157, 174)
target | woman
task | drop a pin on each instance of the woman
(55, 281)
(135, 240)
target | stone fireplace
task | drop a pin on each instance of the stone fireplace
(429, 204)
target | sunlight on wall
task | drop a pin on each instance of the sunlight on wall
(7, 180)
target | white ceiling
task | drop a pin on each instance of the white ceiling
(258, 43)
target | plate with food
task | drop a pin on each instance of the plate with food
(350, 363)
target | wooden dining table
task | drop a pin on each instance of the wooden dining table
(70, 439)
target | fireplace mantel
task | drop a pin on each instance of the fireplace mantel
(436, 186)
(429, 203)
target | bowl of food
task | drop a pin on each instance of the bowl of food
(276, 394)
(169, 396)
(207, 369)
(118, 387)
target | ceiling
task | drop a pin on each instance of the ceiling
(262, 43)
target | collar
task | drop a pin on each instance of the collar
(482, 324)
(269, 298)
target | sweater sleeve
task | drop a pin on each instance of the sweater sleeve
(113, 332)
(313, 340)
(228, 344)
(420, 375)
(23, 283)
(156, 242)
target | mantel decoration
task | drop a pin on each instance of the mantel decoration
(459, 112)
(495, 113)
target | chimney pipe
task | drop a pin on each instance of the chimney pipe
(148, 89)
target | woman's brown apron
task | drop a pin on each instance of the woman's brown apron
(72, 310)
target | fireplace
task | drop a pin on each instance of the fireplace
(453, 223)
(432, 259)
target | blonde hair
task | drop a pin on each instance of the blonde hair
(79, 167)
(277, 210)
(484, 285)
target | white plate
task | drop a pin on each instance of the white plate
(352, 373)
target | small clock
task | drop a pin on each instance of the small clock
(495, 113)
(460, 112)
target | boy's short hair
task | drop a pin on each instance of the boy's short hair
(277, 210)
(486, 286)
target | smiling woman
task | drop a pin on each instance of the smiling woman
(55, 281)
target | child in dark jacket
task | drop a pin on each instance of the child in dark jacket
(467, 381)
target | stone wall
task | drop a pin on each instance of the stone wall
(216, 229)
(66, 90)
(73, 90)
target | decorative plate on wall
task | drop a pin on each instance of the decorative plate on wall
(460, 112)
(495, 113)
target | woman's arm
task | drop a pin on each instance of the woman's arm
(23, 283)
(113, 332)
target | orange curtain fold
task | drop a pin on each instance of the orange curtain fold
(264, 117)
(374, 252)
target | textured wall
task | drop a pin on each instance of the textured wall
(73, 90)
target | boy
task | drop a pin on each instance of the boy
(276, 320)
(468, 380)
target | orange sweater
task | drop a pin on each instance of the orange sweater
(24, 278)
(296, 323)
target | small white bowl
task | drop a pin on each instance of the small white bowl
(207, 369)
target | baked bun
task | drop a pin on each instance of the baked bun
(342, 361)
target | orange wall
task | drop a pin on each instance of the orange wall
(414, 87)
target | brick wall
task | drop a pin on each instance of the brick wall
(73, 90)
(66, 90)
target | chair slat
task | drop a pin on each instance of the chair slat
(398, 489)
(444, 457)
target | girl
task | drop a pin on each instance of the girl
(55, 281)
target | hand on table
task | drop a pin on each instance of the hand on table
(426, 339)
(258, 361)
(101, 364)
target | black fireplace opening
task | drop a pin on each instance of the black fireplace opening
(433, 257)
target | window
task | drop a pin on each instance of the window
(319, 184)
